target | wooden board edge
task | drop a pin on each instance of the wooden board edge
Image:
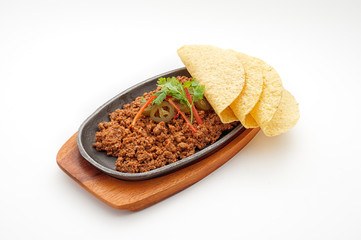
(140, 204)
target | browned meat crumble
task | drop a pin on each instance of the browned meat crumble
(149, 145)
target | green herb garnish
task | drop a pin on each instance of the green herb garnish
(172, 87)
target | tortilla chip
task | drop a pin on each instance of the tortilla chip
(220, 71)
(228, 116)
(285, 118)
(270, 97)
(249, 122)
(252, 89)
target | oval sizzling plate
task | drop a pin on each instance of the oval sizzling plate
(106, 164)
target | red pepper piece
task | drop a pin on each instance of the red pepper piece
(142, 109)
(195, 112)
(182, 114)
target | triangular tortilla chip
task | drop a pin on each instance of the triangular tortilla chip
(220, 71)
(251, 92)
(285, 118)
(270, 97)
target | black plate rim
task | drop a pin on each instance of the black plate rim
(158, 171)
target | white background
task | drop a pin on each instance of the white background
(60, 60)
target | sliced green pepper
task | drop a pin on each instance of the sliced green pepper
(203, 104)
(163, 112)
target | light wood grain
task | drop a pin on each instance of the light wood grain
(137, 195)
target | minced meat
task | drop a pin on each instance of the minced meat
(150, 145)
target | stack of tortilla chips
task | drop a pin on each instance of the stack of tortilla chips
(242, 88)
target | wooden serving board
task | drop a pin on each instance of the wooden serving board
(137, 195)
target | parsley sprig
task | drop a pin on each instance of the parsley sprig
(172, 87)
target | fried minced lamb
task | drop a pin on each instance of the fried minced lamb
(149, 145)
